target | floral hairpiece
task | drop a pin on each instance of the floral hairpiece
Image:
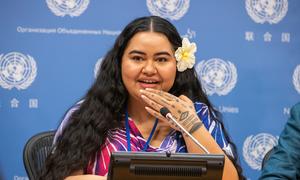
(185, 55)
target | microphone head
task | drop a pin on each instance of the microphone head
(164, 111)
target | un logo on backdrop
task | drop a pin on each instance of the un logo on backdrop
(172, 9)
(255, 148)
(271, 11)
(17, 70)
(217, 76)
(67, 7)
(296, 78)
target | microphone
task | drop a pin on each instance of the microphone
(167, 114)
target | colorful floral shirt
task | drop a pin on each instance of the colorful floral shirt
(116, 139)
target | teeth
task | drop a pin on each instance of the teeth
(149, 81)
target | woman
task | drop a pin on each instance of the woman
(139, 76)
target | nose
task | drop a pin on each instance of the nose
(149, 68)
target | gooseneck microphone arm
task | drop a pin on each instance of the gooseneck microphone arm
(167, 114)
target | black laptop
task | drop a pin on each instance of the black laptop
(165, 166)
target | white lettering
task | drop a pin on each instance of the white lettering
(33, 103)
(35, 30)
(20, 29)
(62, 30)
(21, 178)
(267, 37)
(111, 33)
(286, 111)
(285, 37)
(249, 36)
(228, 109)
(14, 103)
(78, 31)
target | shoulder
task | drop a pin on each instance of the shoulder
(66, 119)
(295, 112)
(70, 111)
(296, 107)
(293, 122)
(292, 126)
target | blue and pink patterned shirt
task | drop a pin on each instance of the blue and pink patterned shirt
(116, 139)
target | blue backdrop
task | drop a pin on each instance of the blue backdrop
(248, 59)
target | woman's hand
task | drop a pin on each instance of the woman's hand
(181, 108)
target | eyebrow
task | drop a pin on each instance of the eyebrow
(137, 52)
(156, 54)
(162, 53)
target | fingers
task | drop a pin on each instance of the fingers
(154, 105)
(184, 98)
(154, 109)
(181, 108)
(163, 94)
(168, 96)
(156, 100)
(167, 100)
(187, 100)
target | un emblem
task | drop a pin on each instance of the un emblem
(217, 76)
(17, 70)
(296, 78)
(97, 67)
(271, 11)
(172, 9)
(67, 7)
(255, 148)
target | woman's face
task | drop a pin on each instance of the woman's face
(148, 62)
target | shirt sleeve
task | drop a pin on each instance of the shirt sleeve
(65, 121)
(213, 126)
(283, 162)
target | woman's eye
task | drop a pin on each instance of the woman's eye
(137, 58)
(162, 59)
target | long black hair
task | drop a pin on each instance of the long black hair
(104, 103)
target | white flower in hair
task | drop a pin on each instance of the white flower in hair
(185, 55)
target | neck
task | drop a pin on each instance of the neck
(144, 121)
(137, 111)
